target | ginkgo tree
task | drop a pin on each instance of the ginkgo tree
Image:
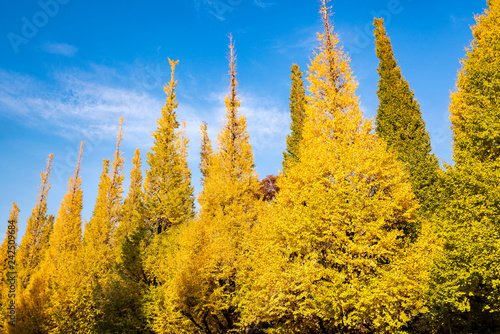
(60, 272)
(465, 285)
(168, 203)
(330, 256)
(168, 193)
(325, 247)
(31, 314)
(399, 121)
(298, 104)
(201, 269)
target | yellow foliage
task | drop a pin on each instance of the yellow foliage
(326, 253)
(200, 276)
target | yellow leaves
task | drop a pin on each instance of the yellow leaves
(205, 152)
(36, 238)
(168, 192)
(203, 282)
(67, 227)
(169, 89)
(337, 223)
(332, 253)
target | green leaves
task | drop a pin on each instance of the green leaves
(464, 282)
(298, 104)
(399, 122)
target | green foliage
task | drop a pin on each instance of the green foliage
(298, 104)
(399, 122)
(465, 285)
(124, 308)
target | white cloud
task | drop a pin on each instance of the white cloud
(60, 49)
(88, 104)
(79, 102)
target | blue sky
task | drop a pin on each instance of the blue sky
(70, 69)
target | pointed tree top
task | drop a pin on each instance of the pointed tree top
(232, 101)
(169, 88)
(73, 182)
(172, 63)
(14, 213)
(119, 139)
(45, 185)
(325, 12)
(232, 67)
(46, 173)
(205, 151)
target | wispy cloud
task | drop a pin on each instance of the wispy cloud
(77, 102)
(222, 8)
(88, 103)
(304, 39)
(60, 49)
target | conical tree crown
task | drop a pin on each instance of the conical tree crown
(101, 228)
(333, 108)
(231, 171)
(67, 234)
(464, 286)
(168, 192)
(233, 144)
(203, 285)
(399, 121)
(97, 255)
(132, 205)
(36, 238)
(205, 152)
(298, 104)
(475, 112)
(51, 292)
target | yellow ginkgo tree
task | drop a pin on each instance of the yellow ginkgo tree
(31, 314)
(201, 270)
(331, 256)
(59, 273)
